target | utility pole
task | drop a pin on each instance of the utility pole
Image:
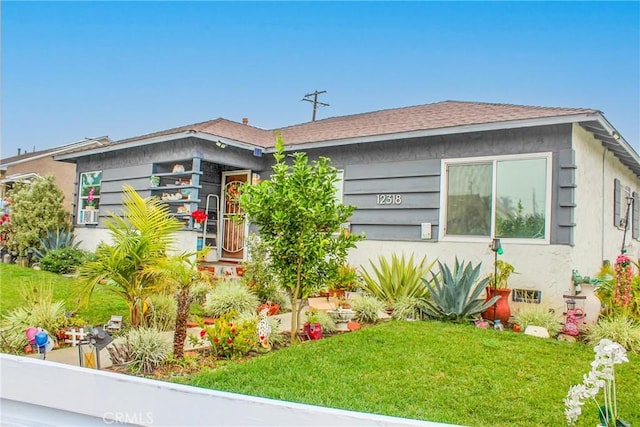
(315, 101)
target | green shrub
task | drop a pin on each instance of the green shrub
(38, 310)
(395, 279)
(367, 308)
(625, 332)
(538, 316)
(161, 313)
(410, 308)
(64, 260)
(326, 321)
(457, 295)
(230, 297)
(142, 349)
(258, 273)
(199, 292)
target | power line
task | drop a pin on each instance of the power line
(315, 102)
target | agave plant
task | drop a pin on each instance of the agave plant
(55, 239)
(399, 278)
(456, 295)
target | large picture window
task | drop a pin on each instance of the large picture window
(504, 197)
(89, 203)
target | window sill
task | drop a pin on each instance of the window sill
(487, 240)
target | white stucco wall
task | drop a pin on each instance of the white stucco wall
(537, 265)
(90, 237)
(596, 237)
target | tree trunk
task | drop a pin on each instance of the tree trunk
(133, 314)
(180, 334)
(294, 318)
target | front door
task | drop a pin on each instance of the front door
(234, 224)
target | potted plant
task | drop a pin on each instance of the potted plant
(345, 281)
(498, 286)
(312, 327)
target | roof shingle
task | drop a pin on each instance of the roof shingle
(420, 117)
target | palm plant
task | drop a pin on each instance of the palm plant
(456, 295)
(179, 274)
(400, 278)
(140, 239)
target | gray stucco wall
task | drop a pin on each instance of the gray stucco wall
(412, 168)
(134, 166)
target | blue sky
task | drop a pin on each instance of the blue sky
(72, 70)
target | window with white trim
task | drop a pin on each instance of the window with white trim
(505, 197)
(89, 198)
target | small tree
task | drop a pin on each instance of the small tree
(140, 240)
(179, 274)
(35, 208)
(300, 220)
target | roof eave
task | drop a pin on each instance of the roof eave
(156, 140)
(61, 149)
(614, 142)
(452, 130)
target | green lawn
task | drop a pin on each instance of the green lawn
(100, 308)
(431, 371)
(424, 370)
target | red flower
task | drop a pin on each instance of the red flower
(231, 325)
(233, 330)
(203, 333)
(216, 340)
(198, 216)
(229, 341)
(261, 337)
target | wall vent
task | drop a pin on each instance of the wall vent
(530, 296)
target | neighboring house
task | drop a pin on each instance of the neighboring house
(439, 180)
(25, 166)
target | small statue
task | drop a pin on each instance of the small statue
(574, 317)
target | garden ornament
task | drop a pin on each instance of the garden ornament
(574, 317)
(31, 334)
(264, 329)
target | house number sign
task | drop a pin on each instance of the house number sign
(388, 199)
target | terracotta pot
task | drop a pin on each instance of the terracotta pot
(502, 310)
(338, 293)
(273, 309)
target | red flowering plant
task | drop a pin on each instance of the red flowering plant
(5, 221)
(198, 216)
(5, 228)
(619, 290)
(228, 339)
(624, 276)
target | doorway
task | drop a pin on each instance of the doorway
(234, 223)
